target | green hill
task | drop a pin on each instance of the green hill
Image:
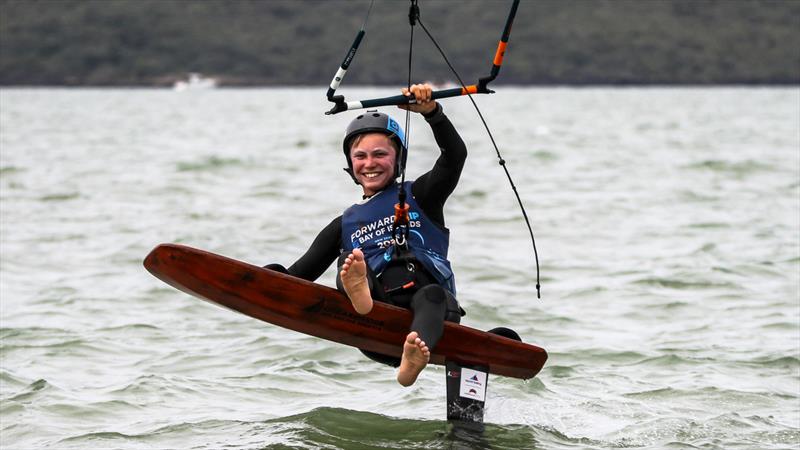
(291, 42)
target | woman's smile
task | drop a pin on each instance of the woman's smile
(374, 158)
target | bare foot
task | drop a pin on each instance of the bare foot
(354, 280)
(415, 357)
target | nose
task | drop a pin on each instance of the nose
(370, 160)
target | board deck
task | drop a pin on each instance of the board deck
(326, 313)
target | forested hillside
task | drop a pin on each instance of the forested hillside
(291, 42)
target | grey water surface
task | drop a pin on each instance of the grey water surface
(667, 222)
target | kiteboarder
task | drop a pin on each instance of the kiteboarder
(405, 265)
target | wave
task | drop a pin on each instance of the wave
(101, 438)
(723, 431)
(131, 327)
(711, 395)
(739, 168)
(209, 163)
(682, 284)
(778, 362)
(559, 371)
(30, 392)
(98, 410)
(599, 355)
(788, 326)
(60, 197)
(8, 379)
(335, 428)
(324, 428)
(66, 345)
(710, 225)
(10, 170)
(669, 360)
(44, 338)
(546, 156)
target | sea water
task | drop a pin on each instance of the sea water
(666, 219)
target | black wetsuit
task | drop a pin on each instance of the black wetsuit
(431, 303)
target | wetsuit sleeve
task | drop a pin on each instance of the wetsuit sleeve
(323, 251)
(432, 189)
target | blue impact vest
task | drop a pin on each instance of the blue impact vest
(369, 225)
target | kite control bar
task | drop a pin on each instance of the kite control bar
(341, 105)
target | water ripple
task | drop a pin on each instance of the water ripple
(667, 232)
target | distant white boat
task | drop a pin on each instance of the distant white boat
(195, 82)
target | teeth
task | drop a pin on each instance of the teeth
(371, 175)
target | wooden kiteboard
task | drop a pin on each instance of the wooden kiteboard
(326, 313)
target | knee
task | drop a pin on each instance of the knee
(432, 293)
(434, 297)
(430, 299)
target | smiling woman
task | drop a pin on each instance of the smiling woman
(389, 262)
(373, 158)
(387, 134)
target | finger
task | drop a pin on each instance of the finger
(424, 93)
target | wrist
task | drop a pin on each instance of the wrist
(437, 108)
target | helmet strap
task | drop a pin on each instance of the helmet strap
(349, 171)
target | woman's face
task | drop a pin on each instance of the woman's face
(373, 156)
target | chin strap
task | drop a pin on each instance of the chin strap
(349, 171)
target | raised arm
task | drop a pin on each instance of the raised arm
(432, 189)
